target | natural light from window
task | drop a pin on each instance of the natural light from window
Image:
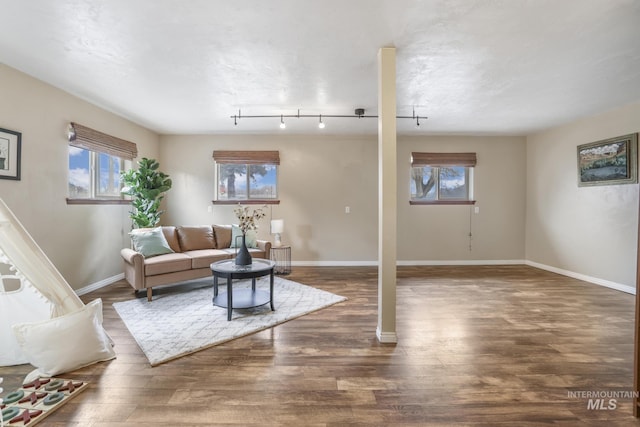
(94, 175)
(247, 182)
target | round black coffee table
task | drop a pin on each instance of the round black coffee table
(242, 298)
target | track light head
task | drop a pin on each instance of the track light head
(321, 123)
(282, 125)
(359, 112)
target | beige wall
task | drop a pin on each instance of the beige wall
(587, 230)
(318, 177)
(83, 242)
(321, 175)
(441, 233)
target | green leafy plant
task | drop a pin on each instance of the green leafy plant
(147, 187)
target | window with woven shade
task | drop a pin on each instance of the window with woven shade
(96, 161)
(442, 178)
(246, 176)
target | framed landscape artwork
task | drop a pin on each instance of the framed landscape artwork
(608, 162)
(10, 142)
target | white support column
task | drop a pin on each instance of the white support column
(387, 196)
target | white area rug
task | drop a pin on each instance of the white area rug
(174, 325)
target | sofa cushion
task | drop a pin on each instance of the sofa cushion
(222, 235)
(172, 237)
(204, 257)
(192, 238)
(168, 263)
(150, 242)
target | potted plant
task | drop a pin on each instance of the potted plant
(147, 186)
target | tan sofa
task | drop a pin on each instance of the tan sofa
(195, 248)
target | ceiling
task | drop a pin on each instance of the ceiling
(490, 67)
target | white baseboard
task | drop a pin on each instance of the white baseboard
(100, 284)
(602, 282)
(334, 263)
(465, 262)
(386, 337)
(412, 262)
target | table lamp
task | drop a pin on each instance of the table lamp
(277, 226)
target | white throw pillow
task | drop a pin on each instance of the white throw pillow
(66, 343)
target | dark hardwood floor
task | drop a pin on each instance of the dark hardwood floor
(477, 346)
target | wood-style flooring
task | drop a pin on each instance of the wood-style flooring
(477, 346)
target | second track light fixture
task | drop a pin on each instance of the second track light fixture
(359, 113)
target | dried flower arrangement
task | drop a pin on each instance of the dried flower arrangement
(248, 219)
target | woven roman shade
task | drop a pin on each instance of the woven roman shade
(93, 140)
(443, 159)
(247, 157)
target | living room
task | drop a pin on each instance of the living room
(529, 208)
(527, 217)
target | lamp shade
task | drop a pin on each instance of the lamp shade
(277, 226)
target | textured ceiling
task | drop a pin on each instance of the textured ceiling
(479, 67)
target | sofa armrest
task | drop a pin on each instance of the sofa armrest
(132, 257)
(265, 245)
(133, 268)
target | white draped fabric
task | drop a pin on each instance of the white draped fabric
(43, 292)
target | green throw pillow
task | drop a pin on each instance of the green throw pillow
(150, 242)
(251, 239)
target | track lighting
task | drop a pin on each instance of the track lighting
(359, 113)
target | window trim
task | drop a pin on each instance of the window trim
(247, 158)
(71, 201)
(438, 160)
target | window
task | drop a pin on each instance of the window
(442, 178)
(246, 176)
(94, 175)
(95, 163)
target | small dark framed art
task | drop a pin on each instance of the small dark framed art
(611, 161)
(10, 145)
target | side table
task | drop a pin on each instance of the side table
(282, 257)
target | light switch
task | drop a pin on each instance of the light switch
(347, 209)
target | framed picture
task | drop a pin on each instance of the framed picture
(10, 142)
(611, 161)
